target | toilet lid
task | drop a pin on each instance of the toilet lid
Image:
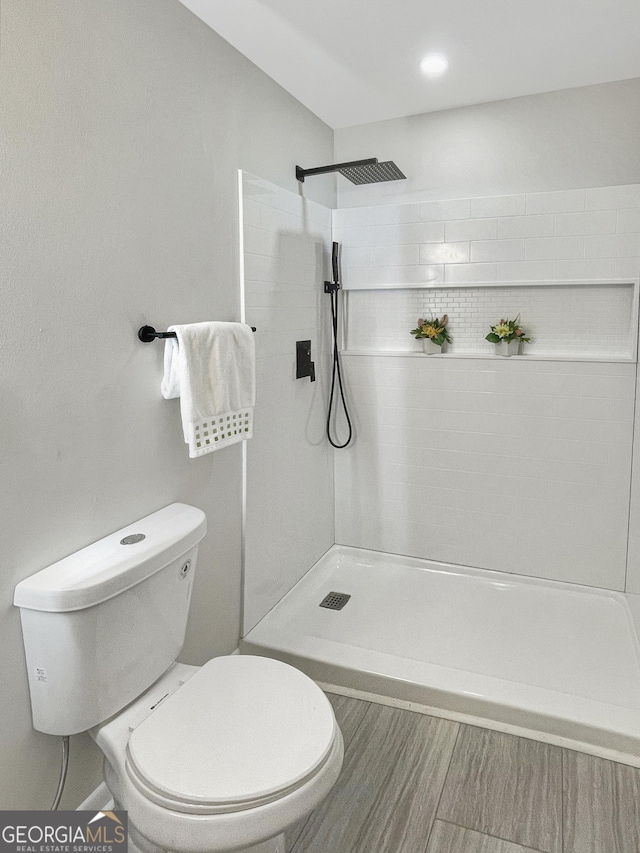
(239, 732)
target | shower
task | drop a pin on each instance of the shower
(332, 288)
(358, 172)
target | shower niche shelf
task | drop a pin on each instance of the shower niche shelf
(582, 321)
(455, 285)
(622, 359)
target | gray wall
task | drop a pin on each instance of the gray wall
(585, 137)
(122, 125)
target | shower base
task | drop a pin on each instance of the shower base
(553, 661)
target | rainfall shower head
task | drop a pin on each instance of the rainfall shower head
(358, 171)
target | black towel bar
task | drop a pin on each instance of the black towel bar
(148, 334)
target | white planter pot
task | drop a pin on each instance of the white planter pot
(508, 348)
(429, 347)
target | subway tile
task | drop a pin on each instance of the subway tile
(395, 214)
(295, 204)
(470, 229)
(394, 275)
(563, 201)
(382, 321)
(612, 246)
(272, 318)
(554, 248)
(259, 241)
(371, 235)
(444, 253)
(419, 232)
(540, 225)
(395, 255)
(369, 275)
(251, 214)
(610, 198)
(274, 219)
(352, 257)
(502, 205)
(590, 268)
(259, 267)
(385, 214)
(526, 271)
(497, 250)
(352, 217)
(251, 185)
(261, 191)
(421, 273)
(261, 295)
(590, 222)
(459, 208)
(469, 272)
(340, 220)
(317, 213)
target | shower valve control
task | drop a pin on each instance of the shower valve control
(304, 365)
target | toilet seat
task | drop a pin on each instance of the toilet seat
(243, 731)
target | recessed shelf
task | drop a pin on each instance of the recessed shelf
(586, 320)
(492, 356)
(454, 285)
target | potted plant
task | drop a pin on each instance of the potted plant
(433, 333)
(507, 336)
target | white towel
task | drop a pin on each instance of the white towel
(211, 367)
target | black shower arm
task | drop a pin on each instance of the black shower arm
(301, 173)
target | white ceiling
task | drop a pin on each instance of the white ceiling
(356, 61)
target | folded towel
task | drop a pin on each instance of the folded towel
(211, 367)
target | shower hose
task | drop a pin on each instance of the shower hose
(336, 368)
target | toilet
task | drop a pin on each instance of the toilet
(222, 757)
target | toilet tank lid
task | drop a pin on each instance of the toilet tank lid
(109, 567)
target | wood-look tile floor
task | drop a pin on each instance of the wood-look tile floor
(417, 784)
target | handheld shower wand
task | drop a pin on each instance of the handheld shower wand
(332, 288)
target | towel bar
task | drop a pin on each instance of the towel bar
(148, 334)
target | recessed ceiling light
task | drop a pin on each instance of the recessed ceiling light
(434, 65)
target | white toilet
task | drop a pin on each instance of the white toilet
(221, 757)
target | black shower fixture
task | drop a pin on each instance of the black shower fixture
(332, 288)
(358, 171)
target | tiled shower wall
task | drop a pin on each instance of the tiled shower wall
(426, 249)
(511, 464)
(503, 463)
(289, 466)
(556, 236)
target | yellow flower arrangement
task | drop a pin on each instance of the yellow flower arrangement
(435, 329)
(507, 330)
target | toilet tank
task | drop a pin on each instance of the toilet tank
(101, 625)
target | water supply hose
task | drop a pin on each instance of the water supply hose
(63, 773)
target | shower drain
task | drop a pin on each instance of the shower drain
(335, 600)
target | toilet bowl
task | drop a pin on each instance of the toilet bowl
(221, 757)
